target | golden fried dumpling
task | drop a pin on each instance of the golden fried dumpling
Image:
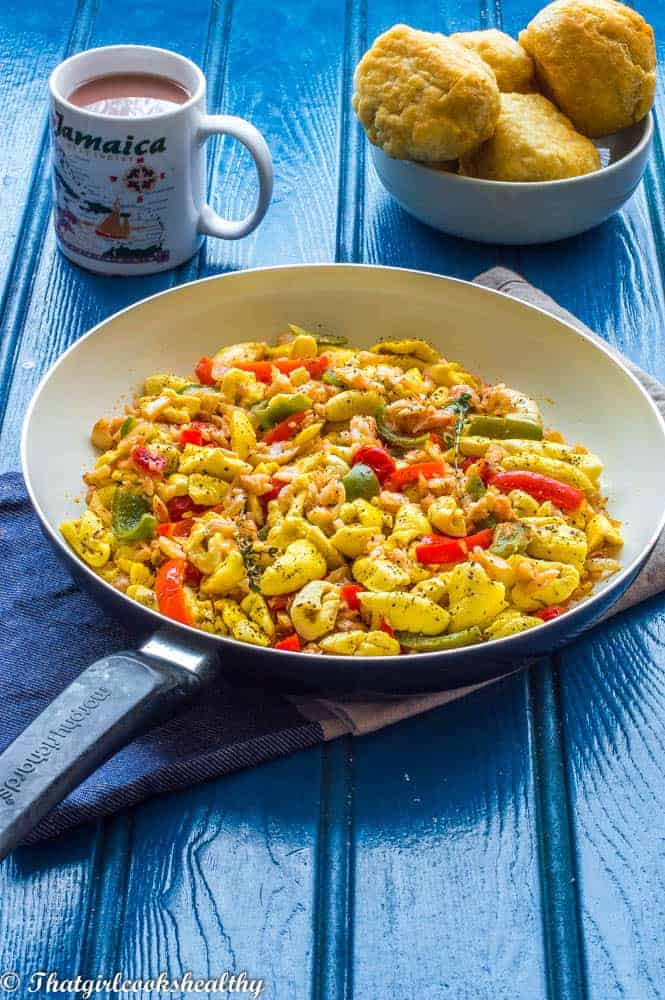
(533, 141)
(513, 66)
(421, 96)
(596, 59)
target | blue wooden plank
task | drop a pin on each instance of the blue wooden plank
(447, 899)
(222, 878)
(292, 95)
(20, 265)
(561, 920)
(32, 39)
(612, 688)
(45, 895)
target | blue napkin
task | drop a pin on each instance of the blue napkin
(51, 631)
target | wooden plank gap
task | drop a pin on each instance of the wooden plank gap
(558, 872)
(352, 145)
(332, 964)
(32, 230)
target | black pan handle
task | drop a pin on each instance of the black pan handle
(114, 700)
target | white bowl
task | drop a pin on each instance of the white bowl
(518, 212)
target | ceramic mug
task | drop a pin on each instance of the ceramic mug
(129, 193)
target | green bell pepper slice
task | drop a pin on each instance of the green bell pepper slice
(475, 487)
(328, 339)
(417, 643)
(504, 427)
(361, 483)
(332, 378)
(392, 437)
(281, 407)
(126, 426)
(130, 519)
(510, 537)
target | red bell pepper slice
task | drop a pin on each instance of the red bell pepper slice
(286, 429)
(444, 549)
(191, 435)
(280, 602)
(540, 487)
(263, 369)
(380, 462)
(176, 529)
(276, 487)
(169, 588)
(178, 506)
(412, 473)
(148, 461)
(203, 371)
(388, 629)
(291, 643)
(547, 614)
(314, 366)
(349, 593)
(193, 576)
(317, 366)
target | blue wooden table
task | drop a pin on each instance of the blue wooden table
(508, 846)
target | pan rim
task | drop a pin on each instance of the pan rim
(520, 643)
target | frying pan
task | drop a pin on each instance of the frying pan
(581, 387)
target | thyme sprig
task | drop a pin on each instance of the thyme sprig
(460, 407)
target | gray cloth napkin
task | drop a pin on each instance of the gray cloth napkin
(350, 716)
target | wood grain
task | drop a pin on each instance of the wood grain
(613, 695)
(33, 38)
(293, 97)
(406, 863)
(222, 877)
(45, 895)
(447, 899)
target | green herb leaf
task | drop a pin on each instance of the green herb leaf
(329, 339)
(332, 378)
(251, 561)
(461, 408)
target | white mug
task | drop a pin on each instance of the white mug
(129, 193)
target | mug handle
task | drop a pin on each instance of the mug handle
(210, 222)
